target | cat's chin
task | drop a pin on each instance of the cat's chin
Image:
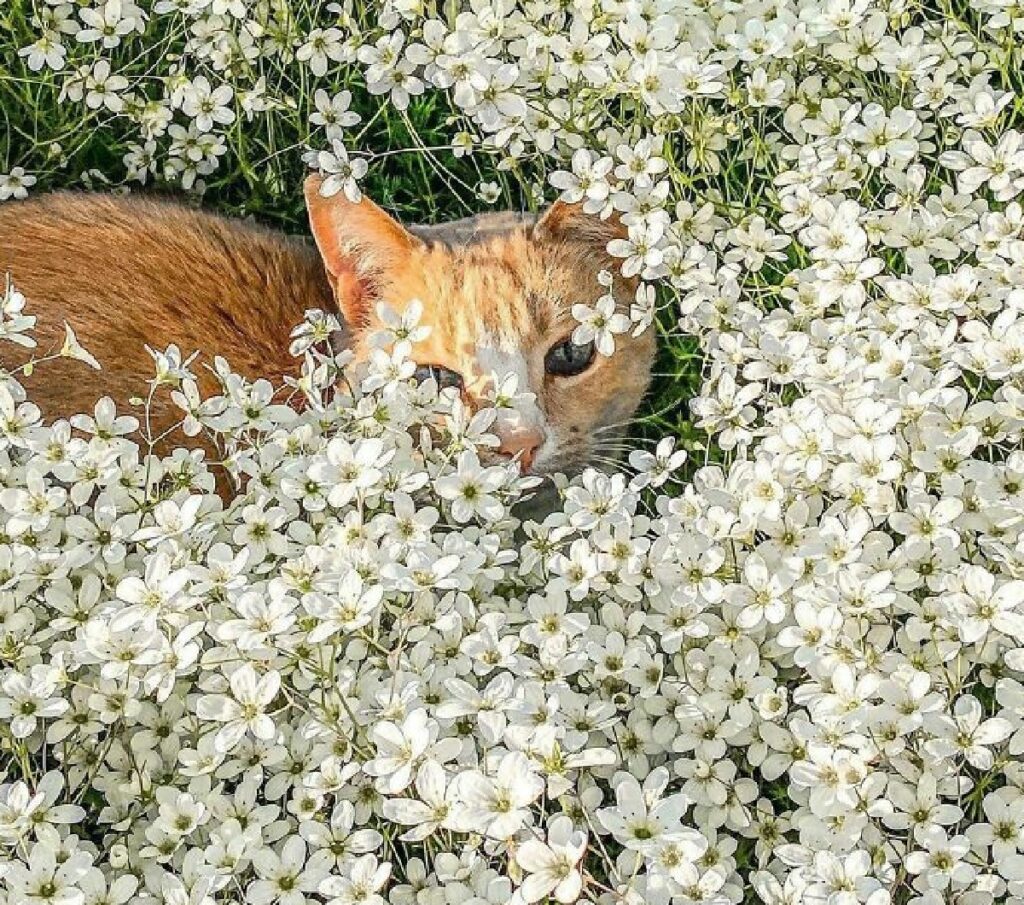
(543, 500)
(546, 498)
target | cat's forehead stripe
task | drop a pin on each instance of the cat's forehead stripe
(504, 294)
(489, 298)
(504, 343)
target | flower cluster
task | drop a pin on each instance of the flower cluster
(795, 669)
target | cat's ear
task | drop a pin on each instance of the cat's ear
(360, 245)
(570, 223)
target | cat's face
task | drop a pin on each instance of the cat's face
(497, 293)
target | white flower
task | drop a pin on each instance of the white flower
(981, 606)
(15, 184)
(599, 324)
(150, 597)
(109, 23)
(32, 508)
(321, 47)
(399, 749)
(342, 173)
(641, 819)
(244, 709)
(966, 733)
(73, 349)
(497, 804)
(587, 181)
(46, 51)
(361, 886)
(433, 808)
(348, 469)
(208, 105)
(284, 876)
(43, 879)
(471, 489)
(940, 860)
(552, 866)
(24, 700)
(654, 469)
(333, 113)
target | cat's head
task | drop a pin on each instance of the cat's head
(497, 292)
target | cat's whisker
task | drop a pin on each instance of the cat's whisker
(608, 456)
(625, 422)
(613, 466)
(618, 453)
(615, 442)
(610, 433)
(620, 439)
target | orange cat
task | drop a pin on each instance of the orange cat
(497, 291)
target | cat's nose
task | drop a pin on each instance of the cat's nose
(523, 442)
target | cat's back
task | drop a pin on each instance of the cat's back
(128, 271)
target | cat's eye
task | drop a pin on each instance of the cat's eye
(567, 359)
(445, 377)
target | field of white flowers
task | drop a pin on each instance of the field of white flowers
(784, 665)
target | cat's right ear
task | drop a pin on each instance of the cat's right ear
(360, 246)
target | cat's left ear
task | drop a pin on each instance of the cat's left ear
(570, 223)
(360, 246)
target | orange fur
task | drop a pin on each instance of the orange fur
(125, 272)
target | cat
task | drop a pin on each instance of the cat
(127, 271)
